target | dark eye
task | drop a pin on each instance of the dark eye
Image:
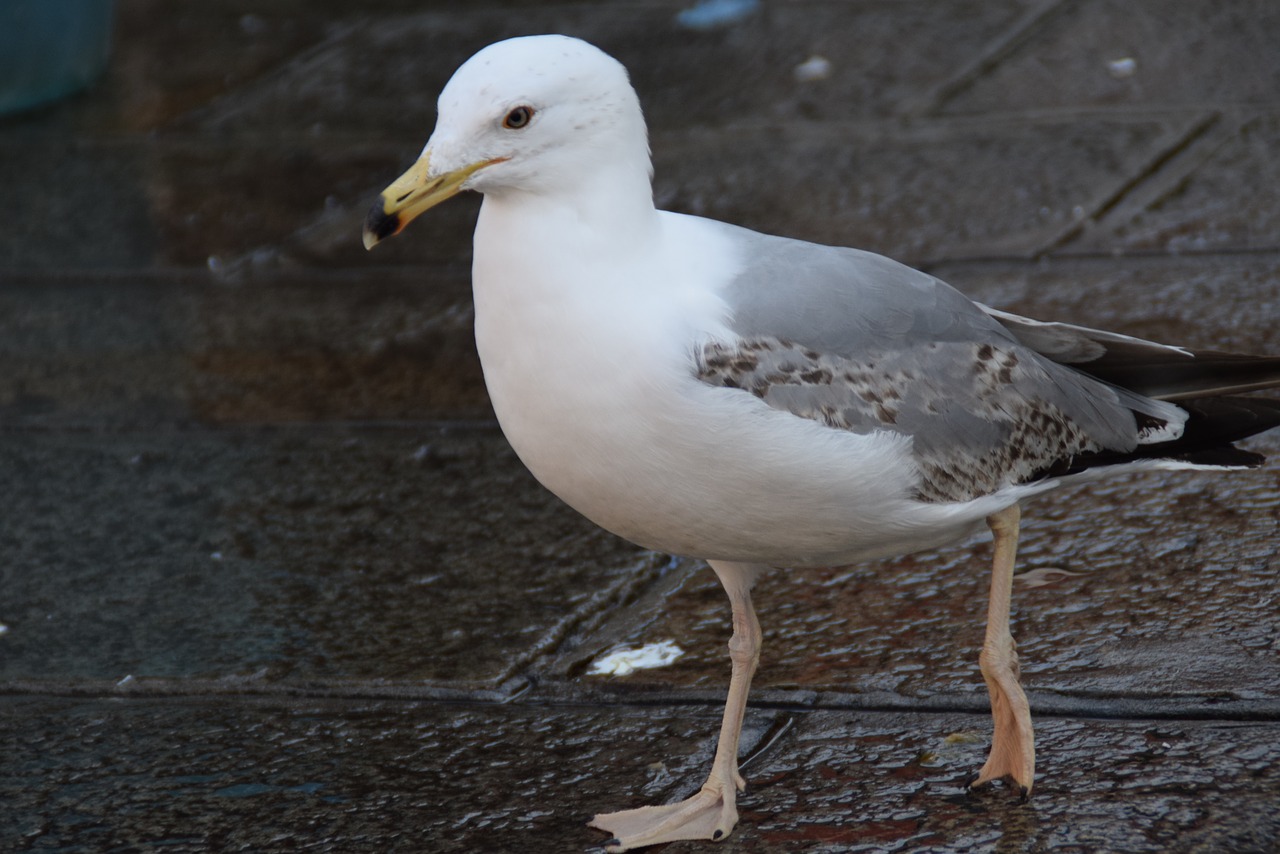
(518, 118)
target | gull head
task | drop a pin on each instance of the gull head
(537, 115)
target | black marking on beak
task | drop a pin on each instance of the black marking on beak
(381, 224)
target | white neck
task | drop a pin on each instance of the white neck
(595, 208)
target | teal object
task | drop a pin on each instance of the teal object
(51, 48)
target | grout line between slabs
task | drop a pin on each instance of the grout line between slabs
(1026, 27)
(1150, 172)
(517, 692)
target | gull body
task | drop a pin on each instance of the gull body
(759, 402)
(592, 381)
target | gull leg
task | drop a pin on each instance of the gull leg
(1013, 752)
(712, 812)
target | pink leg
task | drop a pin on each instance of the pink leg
(712, 812)
(1013, 752)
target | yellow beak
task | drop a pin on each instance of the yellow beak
(412, 194)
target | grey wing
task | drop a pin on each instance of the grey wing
(861, 343)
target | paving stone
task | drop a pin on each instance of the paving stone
(165, 64)
(272, 776)
(366, 347)
(112, 774)
(138, 204)
(143, 349)
(214, 204)
(382, 76)
(934, 191)
(93, 349)
(285, 554)
(1219, 204)
(1225, 304)
(869, 782)
(1077, 58)
(76, 205)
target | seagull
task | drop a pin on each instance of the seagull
(761, 402)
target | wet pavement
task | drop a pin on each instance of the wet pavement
(273, 580)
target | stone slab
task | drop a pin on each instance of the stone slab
(936, 190)
(137, 350)
(1218, 203)
(415, 554)
(103, 774)
(1224, 304)
(381, 76)
(1076, 58)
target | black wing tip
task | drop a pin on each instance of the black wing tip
(1213, 425)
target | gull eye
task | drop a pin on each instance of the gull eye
(518, 118)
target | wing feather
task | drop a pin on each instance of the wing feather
(861, 343)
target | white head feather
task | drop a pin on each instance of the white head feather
(585, 117)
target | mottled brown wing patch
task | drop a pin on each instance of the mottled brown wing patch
(981, 416)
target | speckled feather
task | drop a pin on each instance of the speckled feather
(1000, 429)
